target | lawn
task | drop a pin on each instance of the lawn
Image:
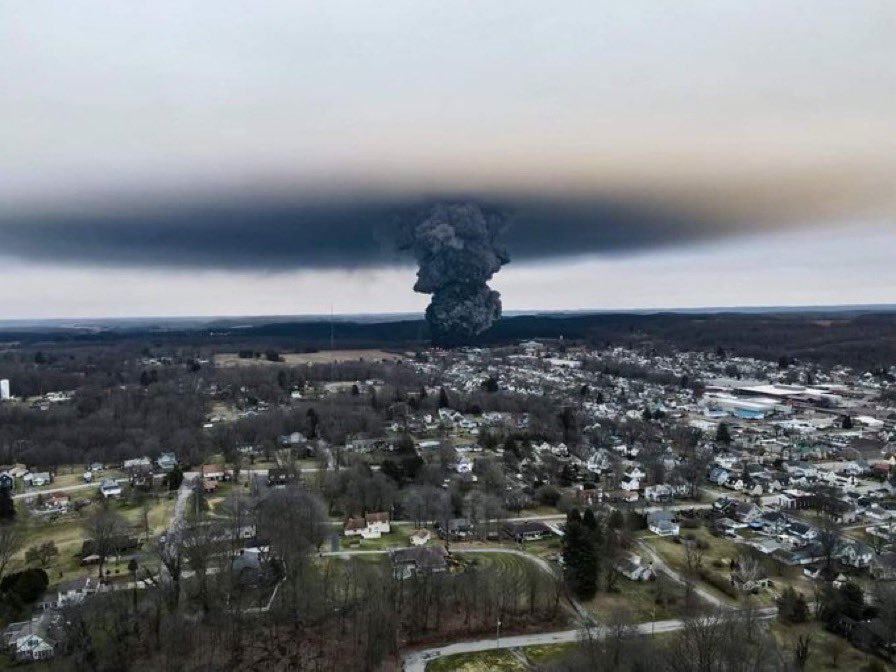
(639, 599)
(68, 533)
(399, 538)
(504, 563)
(717, 558)
(548, 653)
(485, 661)
(822, 648)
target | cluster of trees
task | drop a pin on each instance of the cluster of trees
(207, 609)
(592, 546)
(721, 641)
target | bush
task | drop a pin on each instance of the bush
(548, 495)
(25, 586)
(720, 583)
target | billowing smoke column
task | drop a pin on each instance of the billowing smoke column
(457, 248)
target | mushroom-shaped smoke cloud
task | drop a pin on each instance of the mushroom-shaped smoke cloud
(457, 248)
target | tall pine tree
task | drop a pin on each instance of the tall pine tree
(580, 554)
(7, 506)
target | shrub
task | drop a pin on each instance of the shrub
(26, 586)
(720, 583)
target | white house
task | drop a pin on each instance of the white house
(39, 479)
(659, 493)
(110, 488)
(75, 591)
(662, 523)
(420, 538)
(464, 466)
(371, 526)
(32, 647)
(631, 568)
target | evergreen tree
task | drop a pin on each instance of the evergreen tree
(580, 554)
(444, 402)
(846, 423)
(722, 434)
(7, 506)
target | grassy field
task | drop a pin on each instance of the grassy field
(717, 558)
(548, 653)
(504, 563)
(638, 598)
(68, 534)
(399, 538)
(824, 648)
(485, 661)
(323, 357)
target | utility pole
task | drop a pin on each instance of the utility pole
(498, 633)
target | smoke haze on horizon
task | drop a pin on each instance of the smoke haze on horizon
(197, 146)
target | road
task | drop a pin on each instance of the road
(416, 661)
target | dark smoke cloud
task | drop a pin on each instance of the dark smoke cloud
(351, 233)
(457, 249)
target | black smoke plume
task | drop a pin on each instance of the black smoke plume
(457, 248)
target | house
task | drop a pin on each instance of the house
(409, 562)
(209, 487)
(455, 529)
(371, 526)
(29, 641)
(135, 463)
(420, 538)
(74, 591)
(58, 501)
(212, 472)
(526, 530)
(630, 484)
(855, 553)
(599, 462)
(281, 476)
(90, 551)
(662, 523)
(631, 568)
(109, 487)
(802, 531)
(464, 466)
(719, 476)
(659, 493)
(31, 647)
(38, 479)
(167, 461)
(747, 512)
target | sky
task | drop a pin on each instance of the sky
(229, 158)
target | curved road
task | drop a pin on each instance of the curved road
(418, 660)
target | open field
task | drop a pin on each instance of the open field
(299, 358)
(717, 557)
(639, 599)
(68, 533)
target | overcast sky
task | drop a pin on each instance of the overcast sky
(220, 157)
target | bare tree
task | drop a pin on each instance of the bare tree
(103, 526)
(12, 538)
